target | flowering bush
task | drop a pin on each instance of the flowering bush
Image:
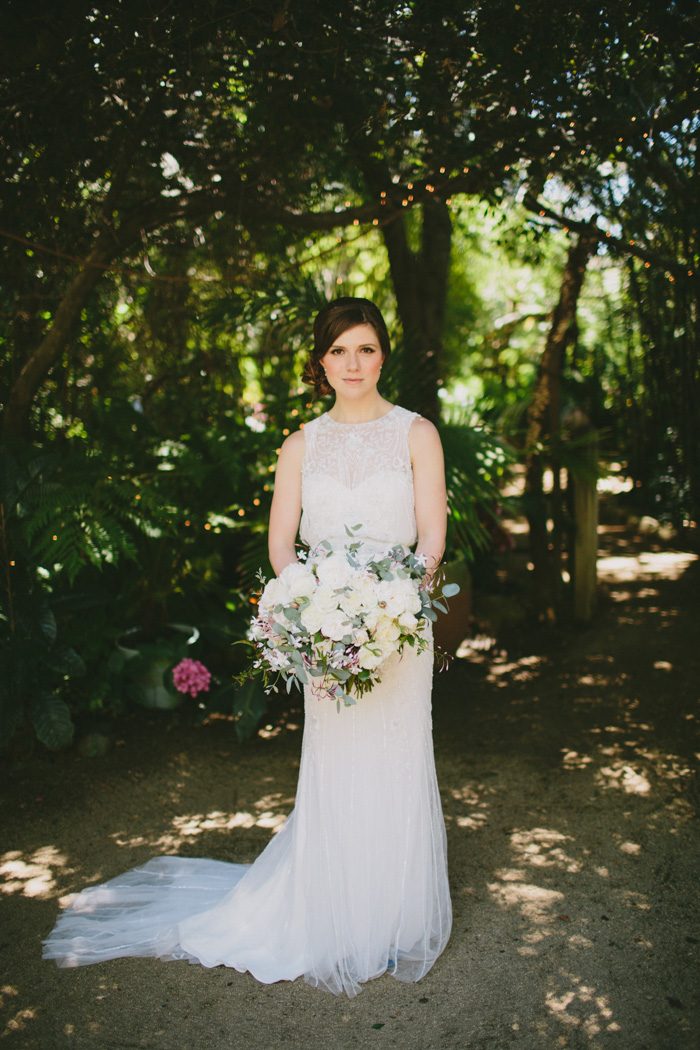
(333, 620)
(191, 676)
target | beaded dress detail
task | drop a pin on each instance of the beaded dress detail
(354, 884)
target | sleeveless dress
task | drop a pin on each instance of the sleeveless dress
(354, 884)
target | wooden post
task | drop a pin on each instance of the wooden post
(586, 534)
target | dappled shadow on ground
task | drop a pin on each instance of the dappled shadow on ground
(566, 761)
(588, 820)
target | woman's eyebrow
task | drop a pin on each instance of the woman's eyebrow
(342, 346)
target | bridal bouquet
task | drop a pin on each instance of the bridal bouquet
(333, 619)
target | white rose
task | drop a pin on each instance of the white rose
(408, 621)
(387, 630)
(370, 656)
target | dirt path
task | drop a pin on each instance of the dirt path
(566, 769)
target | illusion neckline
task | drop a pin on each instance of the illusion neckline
(363, 423)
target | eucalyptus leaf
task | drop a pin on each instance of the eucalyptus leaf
(52, 722)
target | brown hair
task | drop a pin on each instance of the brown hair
(334, 319)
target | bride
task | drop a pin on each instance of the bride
(355, 883)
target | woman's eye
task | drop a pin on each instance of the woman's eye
(337, 350)
(368, 349)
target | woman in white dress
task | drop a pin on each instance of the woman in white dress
(355, 882)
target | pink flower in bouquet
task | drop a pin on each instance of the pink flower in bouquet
(191, 676)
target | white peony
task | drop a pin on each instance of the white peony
(335, 571)
(398, 596)
(299, 580)
(325, 599)
(274, 593)
(312, 617)
(351, 602)
(336, 626)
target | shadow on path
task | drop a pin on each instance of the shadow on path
(566, 763)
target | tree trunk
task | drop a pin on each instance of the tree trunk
(420, 282)
(585, 554)
(15, 421)
(543, 424)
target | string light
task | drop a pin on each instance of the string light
(54, 537)
(207, 526)
(256, 502)
(375, 222)
(187, 523)
(442, 171)
(241, 512)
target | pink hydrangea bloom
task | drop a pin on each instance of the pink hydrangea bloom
(191, 676)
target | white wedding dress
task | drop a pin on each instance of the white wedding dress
(355, 882)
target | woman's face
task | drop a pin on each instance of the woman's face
(353, 362)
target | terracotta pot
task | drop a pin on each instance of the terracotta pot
(451, 629)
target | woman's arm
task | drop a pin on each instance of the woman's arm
(285, 511)
(430, 493)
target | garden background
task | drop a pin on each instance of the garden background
(184, 185)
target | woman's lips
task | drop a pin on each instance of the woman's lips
(347, 380)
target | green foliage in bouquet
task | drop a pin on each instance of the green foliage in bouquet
(331, 620)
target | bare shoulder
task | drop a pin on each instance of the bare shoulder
(295, 442)
(423, 438)
(292, 449)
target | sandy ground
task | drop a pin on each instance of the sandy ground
(566, 764)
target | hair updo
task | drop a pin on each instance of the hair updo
(334, 319)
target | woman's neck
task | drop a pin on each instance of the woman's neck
(355, 410)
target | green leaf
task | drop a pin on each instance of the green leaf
(47, 623)
(52, 722)
(250, 704)
(66, 662)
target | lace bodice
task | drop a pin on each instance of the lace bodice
(358, 474)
